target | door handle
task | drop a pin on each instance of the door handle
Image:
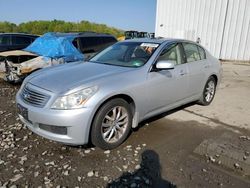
(206, 66)
(182, 73)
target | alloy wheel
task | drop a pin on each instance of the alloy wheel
(114, 124)
(210, 90)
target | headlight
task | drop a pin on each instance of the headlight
(74, 100)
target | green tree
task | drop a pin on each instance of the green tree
(41, 27)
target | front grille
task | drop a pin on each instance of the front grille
(34, 97)
(54, 129)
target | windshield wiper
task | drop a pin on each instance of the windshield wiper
(99, 62)
(95, 62)
(117, 65)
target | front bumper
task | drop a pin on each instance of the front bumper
(77, 122)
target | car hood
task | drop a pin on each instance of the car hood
(62, 78)
(16, 53)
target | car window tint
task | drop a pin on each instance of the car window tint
(18, 40)
(191, 51)
(202, 52)
(172, 53)
(74, 42)
(32, 39)
(109, 40)
(90, 44)
(95, 44)
(4, 40)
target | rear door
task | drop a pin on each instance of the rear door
(196, 62)
(167, 87)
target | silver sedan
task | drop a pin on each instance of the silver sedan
(103, 99)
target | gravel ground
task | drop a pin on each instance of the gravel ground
(158, 154)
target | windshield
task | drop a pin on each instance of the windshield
(127, 54)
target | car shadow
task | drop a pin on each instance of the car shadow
(162, 115)
(144, 122)
(148, 175)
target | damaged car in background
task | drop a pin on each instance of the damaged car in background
(52, 49)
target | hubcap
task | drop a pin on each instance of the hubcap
(114, 124)
(210, 89)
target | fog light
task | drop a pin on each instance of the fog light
(54, 129)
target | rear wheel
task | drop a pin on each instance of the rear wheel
(111, 124)
(208, 92)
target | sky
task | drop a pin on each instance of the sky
(123, 14)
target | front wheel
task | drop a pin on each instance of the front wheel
(111, 124)
(208, 92)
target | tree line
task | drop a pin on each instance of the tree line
(41, 27)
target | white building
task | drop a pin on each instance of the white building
(223, 26)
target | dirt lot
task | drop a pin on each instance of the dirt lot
(192, 146)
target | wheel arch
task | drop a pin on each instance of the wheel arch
(125, 97)
(215, 77)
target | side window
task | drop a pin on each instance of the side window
(18, 40)
(191, 51)
(32, 39)
(202, 52)
(95, 44)
(74, 42)
(107, 41)
(173, 53)
(90, 44)
(4, 40)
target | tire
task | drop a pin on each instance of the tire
(112, 124)
(208, 92)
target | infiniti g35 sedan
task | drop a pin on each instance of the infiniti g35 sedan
(101, 100)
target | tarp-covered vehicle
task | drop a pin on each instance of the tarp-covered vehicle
(47, 50)
(53, 49)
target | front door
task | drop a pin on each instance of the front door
(167, 87)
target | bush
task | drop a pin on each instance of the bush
(41, 27)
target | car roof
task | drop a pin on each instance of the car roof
(71, 34)
(82, 34)
(158, 40)
(26, 34)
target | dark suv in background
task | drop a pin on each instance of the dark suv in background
(15, 41)
(89, 43)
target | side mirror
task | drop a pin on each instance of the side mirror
(165, 64)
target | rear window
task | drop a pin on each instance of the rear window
(202, 52)
(109, 40)
(95, 44)
(19, 40)
(90, 44)
(4, 40)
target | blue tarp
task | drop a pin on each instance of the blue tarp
(54, 45)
